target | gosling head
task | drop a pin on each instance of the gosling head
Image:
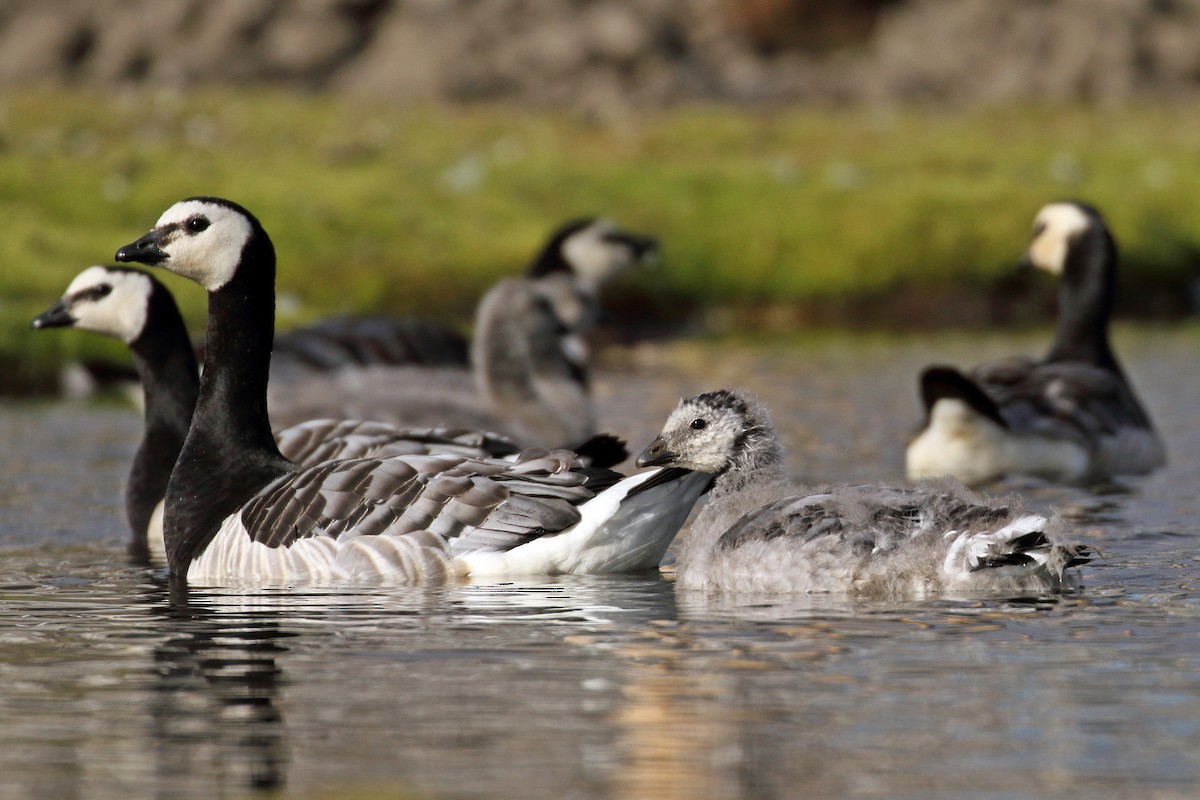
(715, 432)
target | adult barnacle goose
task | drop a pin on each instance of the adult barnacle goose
(583, 253)
(759, 533)
(529, 359)
(138, 309)
(237, 510)
(1071, 416)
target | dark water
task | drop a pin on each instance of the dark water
(584, 687)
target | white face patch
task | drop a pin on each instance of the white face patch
(120, 311)
(210, 256)
(1055, 228)
(594, 259)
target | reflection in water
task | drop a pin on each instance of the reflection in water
(215, 700)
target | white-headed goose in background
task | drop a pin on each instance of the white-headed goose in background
(760, 533)
(237, 511)
(1071, 417)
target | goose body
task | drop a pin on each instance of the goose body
(759, 533)
(528, 375)
(238, 511)
(1071, 416)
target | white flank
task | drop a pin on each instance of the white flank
(962, 443)
(615, 535)
(231, 557)
(959, 442)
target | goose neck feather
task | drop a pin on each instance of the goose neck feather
(166, 365)
(1085, 300)
(757, 460)
(230, 452)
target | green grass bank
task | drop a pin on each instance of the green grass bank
(773, 218)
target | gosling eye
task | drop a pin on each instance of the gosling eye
(698, 424)
(198, 224)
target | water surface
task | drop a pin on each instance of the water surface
(110, 686)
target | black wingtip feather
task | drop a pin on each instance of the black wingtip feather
(940, 382)
(602, 450)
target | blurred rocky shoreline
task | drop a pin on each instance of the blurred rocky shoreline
(609, 58)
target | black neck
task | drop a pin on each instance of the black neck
(1085, 300)
(166, 365)
(229, 453)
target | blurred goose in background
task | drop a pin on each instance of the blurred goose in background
(759, 533)
(529, 378)
(238, 511)
(581, 255)
(1070, 417)
(138, 309)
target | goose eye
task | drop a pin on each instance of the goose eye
(197, 224)
(102, 290)
(698, 424)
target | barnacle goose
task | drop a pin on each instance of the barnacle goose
(138, 309)
(1071, 416)
(238, 511)
(529, 358)
(759, 533)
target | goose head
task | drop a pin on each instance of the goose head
(1056, 229)
(715, 432)
(107, 300)
(592, 251)
(203, 239)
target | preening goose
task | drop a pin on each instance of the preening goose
(759, 533)
(138, 309)
(1071, 416)
(529, 376)
(238, 511)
